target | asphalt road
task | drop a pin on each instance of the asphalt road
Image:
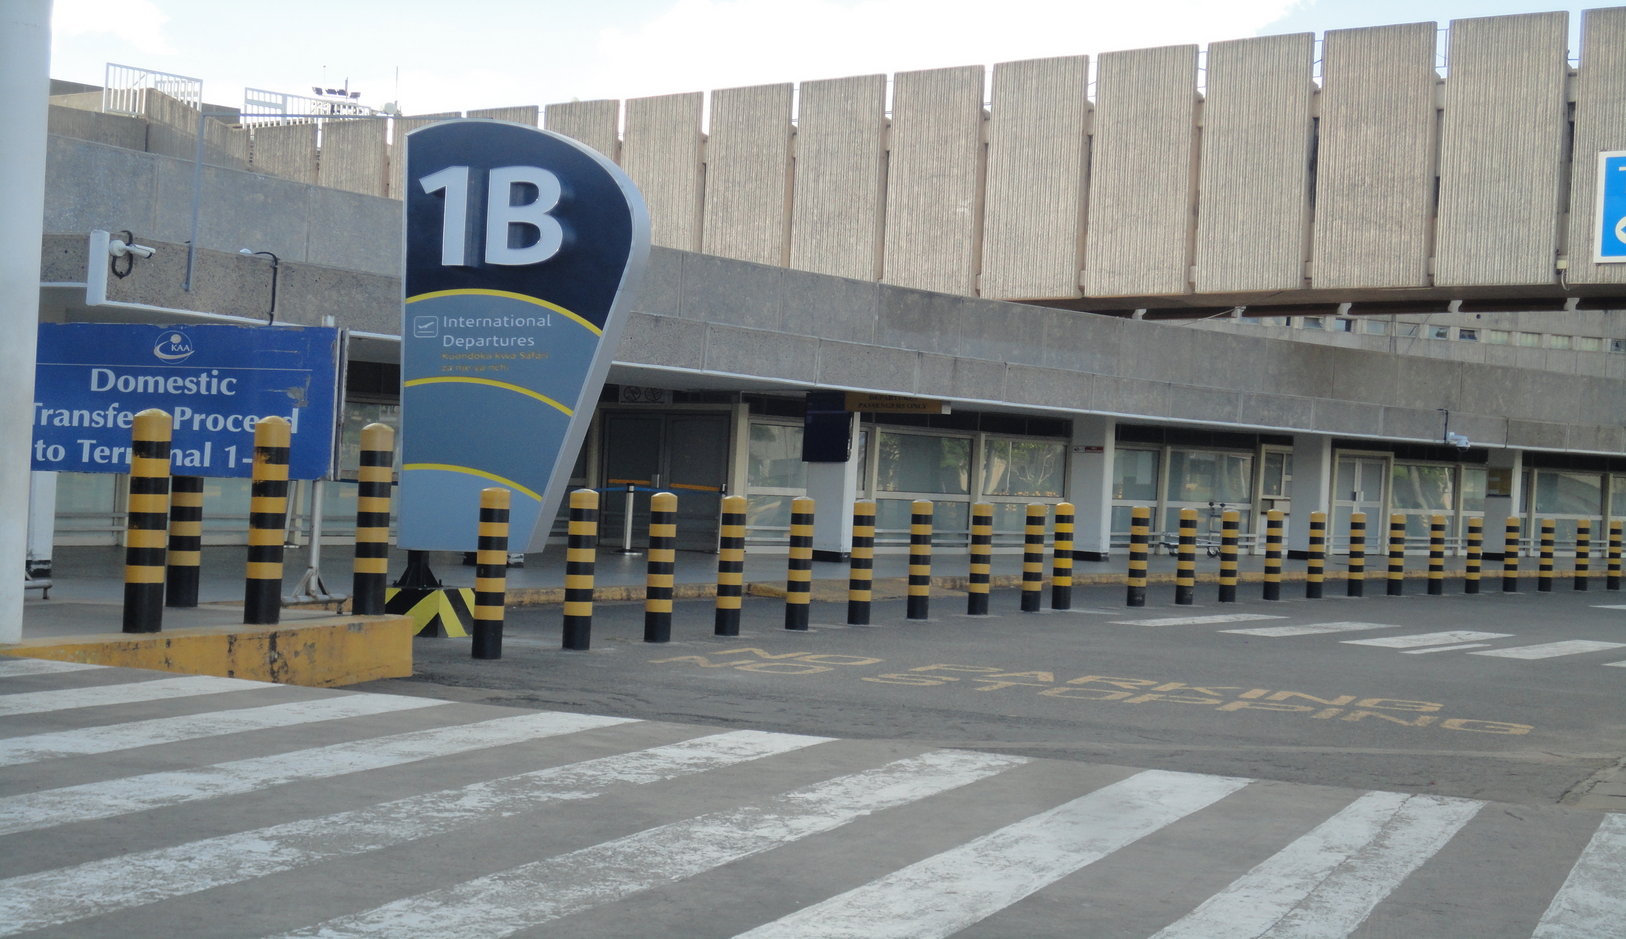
(1441, 715)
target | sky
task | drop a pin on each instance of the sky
(431, 56)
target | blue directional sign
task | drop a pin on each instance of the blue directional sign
(523, 250)
(216, 382)
(1611, 214)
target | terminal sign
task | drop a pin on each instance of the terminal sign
(1611, 213)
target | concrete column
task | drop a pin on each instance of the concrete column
(1312, 489)
(833, 487)
(1089, 485)
(41, 523)
(25, 68)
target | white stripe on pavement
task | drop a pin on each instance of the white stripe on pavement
(138, 793)
(11, 666)
(1326, 883)
(1311, 629)
(38, 702)
(1427, 639)
(522, 897)
(1552, 650)
(946, 893)
(1452, 648)
(1196, 620)
(1616, 664)
(1609, 606)
(1592, 902)
(53, 897)
(112, 737)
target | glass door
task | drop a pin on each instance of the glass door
(1359, 488)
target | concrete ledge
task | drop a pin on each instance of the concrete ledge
(325, 653)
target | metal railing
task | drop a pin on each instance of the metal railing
(274, 107)
(124, 85)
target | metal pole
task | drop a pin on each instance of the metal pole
(799, 566)
(1357, 555)
(490, 573)
(580, 553)
(1185, 577)
(268, 513)
(861, 564)
(197, 195)
(626, 524)
(918, 606)
(310, 586)
(148, 526)
(662, 558)
(1033, 557)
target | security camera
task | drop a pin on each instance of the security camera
(1457, 440)
(118, 249)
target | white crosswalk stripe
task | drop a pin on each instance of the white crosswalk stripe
(1197, 620)
(1427, 639)
(1309, 629)
(1551, 650)
(40, 702)
(1592, 902)
(12, 666)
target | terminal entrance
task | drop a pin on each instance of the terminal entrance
(1359, 488)
(684, 454)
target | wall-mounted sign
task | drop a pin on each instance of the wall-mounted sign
(1610, 235)
(638, 394)
(216, 382)
(523, 249)
(895, 404)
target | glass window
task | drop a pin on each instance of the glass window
(1617, 497)
(1527, 339)
(775, 458)
(1473, 489)
(1468, 335)
(1248, 320)
(923, 463)
(1558, 342)
(951, 521)
(1312, 322)
(1418, 487)
(1589, 343)
(1406, 330)
(1617, 345)
(1208, 476)
(1134, 477)
(225, 504)
(1497, 337)
(1278, 481)
(1343, 325)
(1568, 493)
(357, 415)
(1374, 327)
(1439, 332)
(1023, 468)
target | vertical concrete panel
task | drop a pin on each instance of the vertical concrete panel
(1375, 161)
(661, 152)
(747, 208)
(172, 130)
(1600, 124)
(840, 170)
(1253, 186)
(595, 123)
(524, 114)
(401, 127)
(1142, 150)
(934, 180)
(286, 151)
(355, 157)
(1500, 147)
(1033, 226)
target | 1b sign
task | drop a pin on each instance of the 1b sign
(1611, 214)
(216, 382)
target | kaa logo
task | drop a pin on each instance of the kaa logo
(173, 347)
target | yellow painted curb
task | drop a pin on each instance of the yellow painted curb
(323, 654)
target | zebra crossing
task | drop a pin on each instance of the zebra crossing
(429, 818)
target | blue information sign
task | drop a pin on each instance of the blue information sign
(1611, 214)
(523, 249)
(215, 381)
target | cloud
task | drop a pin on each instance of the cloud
(137, 23)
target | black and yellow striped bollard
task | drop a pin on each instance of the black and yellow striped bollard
(799, 567)
(490, 574)
(920, 560)
(1436, 555)
(1357, 555)
(662, 565)
(1470, 565)
(1583, 552)
(982, 559)
(267, 523)
(1273, 555)
(1544, 567)
(581, 553)
(1033, 558)
(1397, 555)
(185, 542)
(1185, 562)
(861, 564)
(1510, 556)
(730, 567)
(1230, 523)
(1315, 568)
(148, 526)
(373, 486)
(1061, 559)
(1139, 535)
(1612, 580)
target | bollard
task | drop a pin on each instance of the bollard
(1583, 552)
(148, 522)
(580, 554)
(920, 559)
(1315, 571)
(1273, 555)
(1061, 564)
(1397, 555)
(490, 574)
(1229, 523)
(1436, 555)
(1510, 557)
(1470, 567)
(1139, 516)
(861, 569)
(662, 564)
(1357, 555)
(185, 542)
(372, 520)
(982, 558)
(1185, 562)
(1612, 581)
(1033, 558)
(730, 567)
(1544, 568)
(799, 567)
(267, 522)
